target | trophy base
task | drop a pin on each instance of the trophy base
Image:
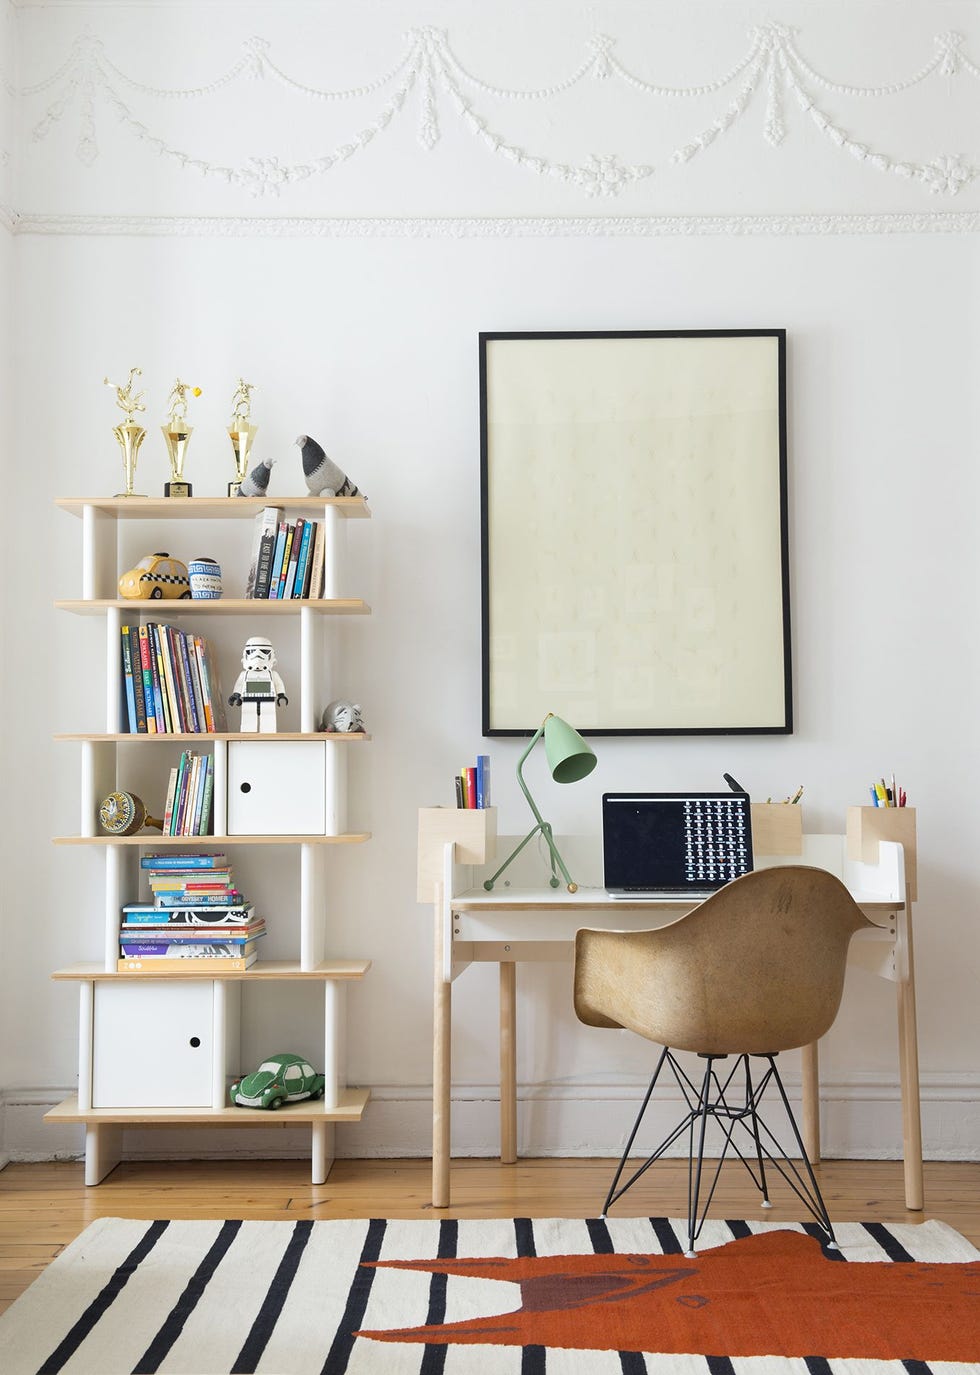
(234, 489)
(140, 495)
(176, 489)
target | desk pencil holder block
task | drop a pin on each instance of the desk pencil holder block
(866, 826)
(473, 831)
(777, 828)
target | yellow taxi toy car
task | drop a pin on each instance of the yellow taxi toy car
(156, 576)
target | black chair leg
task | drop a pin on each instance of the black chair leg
(693, 1194)
(636, 1127)
(820, 1211)
(750, 1100)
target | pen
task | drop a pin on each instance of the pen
(798, 794)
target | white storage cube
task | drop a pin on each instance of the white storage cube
(277, 787)
(152, 1044)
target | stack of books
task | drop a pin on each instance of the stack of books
(169, 681)
(189, 793)
(196, 919)
(473, 784)
(287, 557)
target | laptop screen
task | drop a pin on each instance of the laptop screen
(674, 842)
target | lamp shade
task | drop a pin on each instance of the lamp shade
(569, 757)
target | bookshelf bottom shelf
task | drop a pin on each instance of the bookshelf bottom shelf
(104, 1126)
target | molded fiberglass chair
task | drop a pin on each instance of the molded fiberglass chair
(756, 969)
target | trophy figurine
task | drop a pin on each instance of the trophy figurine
(242, 433)
(177, 434)
(129, 434)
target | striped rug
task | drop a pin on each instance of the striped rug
(504, 1297)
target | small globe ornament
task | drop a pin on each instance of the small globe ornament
(123, 814)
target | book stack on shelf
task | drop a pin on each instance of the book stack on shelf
(196, 919)
(169, 681)
(473, 784)
(287, 557)
(189, 793)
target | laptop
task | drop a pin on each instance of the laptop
(674, 845)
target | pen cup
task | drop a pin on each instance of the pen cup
(777, 828)
(473, 831)
(866, 826)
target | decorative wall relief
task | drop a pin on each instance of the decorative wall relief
(430, 89)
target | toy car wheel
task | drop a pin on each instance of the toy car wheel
(276, 1103)
(184, 595)
(157, 593)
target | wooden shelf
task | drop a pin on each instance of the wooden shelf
(272, 970)
(168, 607)
(214, 842)
(211, 508)
(195, 737)
(349, 1109)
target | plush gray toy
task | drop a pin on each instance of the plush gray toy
(323, 477)
(342, 716)
(257, 482)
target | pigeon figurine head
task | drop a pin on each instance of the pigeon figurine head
(323, 477)
(257, 482)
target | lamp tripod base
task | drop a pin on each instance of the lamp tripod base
(557, 862)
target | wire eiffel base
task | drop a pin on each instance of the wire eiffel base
(715, 1099)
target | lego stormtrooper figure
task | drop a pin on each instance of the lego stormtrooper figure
(258, 688)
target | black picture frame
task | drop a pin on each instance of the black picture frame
(634, 532)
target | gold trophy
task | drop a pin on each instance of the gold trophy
(241, 432)
(129, 434)
(177, 434)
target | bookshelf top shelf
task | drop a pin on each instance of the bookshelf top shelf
(211, 508)
(161, 842)
(197, 737)
(167, 608)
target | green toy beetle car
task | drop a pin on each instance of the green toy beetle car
(280, 1079)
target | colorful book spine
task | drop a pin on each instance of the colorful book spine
(179, 796)
(469, 785)
(289, 586)
(483, 780)
(168, 814)
(138, 690)
(277, 561)
(317, 558)
(286, 554)
(129, 694)
(188, 683)
(207, 798)
(167, 947)
(169, 677)
(142, 915)
(160, 678)
(200, 655)
(303, 561)
(152, 717)
(229, 900)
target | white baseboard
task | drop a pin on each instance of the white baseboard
(861, 1119)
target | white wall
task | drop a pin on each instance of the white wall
(353, 299)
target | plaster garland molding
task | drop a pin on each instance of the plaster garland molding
(430, 70)
(506, 227)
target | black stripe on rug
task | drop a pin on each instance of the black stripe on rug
(813, 1229)
(891, 1246)
(272, 1305)
(669, 1241)
(524, 1236)
(357, 1298)
(73, 1339)
(719, 1365)
(173, 1324)
(630, 1362)
(738, 1227)
(434, 1356)
(818, 1365)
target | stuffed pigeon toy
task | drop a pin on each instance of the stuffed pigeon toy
(323, 477)
(257, 482)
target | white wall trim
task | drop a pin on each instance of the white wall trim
(503, 227)
(861, 1120)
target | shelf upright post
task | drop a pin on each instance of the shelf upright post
(308, 675)
(335, 534)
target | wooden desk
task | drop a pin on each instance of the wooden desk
(512, 924)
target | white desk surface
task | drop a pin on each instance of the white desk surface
(557, 899)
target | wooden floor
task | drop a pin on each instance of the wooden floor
(43, 1207)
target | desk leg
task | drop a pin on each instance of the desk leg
(810, 1084)
(508, 1062)
(908, 1056)
(442, 1024)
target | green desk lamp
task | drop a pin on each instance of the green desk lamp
(569, 759)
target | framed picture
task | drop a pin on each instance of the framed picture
(635, 574)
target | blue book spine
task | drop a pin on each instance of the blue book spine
(200, 861)
(304, 559)
(483, 780)
(198, 724)
(277, 562)
(127, 661)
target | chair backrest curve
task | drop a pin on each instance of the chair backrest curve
(757, 968)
